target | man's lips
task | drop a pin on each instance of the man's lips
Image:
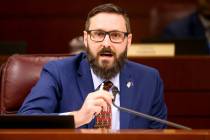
(106, 54)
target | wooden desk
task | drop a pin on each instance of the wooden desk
(100, 134)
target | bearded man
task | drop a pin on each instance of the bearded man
(70, 86)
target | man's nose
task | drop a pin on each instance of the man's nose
(107, 41)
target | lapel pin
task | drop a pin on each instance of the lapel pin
(129, 84)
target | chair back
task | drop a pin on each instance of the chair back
(19, 74)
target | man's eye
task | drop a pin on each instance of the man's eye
(115, 35)
(99, 33)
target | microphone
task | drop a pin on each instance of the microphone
(115, 91)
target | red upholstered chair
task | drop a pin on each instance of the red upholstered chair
(19, 74)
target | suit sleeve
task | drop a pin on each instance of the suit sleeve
(159, 108)
(44, 96)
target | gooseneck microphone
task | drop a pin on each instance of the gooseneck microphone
(115, 91)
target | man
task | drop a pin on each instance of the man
(194, 26)
(69, 86)
(76, 45)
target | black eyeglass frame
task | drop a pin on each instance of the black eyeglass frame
(108, 33)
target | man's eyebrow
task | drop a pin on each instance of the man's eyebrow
(99, 29)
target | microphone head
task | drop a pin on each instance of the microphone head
(115, 91)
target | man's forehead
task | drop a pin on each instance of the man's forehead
(107, 22)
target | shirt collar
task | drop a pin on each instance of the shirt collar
(97, 80)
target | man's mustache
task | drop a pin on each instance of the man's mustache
(106, 50)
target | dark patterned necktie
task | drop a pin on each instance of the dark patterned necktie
(104, 118)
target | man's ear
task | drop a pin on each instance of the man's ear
(85, 36)
(129, 40)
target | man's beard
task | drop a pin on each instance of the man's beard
(103, 71)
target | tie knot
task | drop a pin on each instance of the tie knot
(107, 85)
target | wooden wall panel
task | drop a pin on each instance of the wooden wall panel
(47, 26)
(186, 86)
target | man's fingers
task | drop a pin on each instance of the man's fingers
(97, 110)
(100, 102)
(104, 95)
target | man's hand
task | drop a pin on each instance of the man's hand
(92, 106)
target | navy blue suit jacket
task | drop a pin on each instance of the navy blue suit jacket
(64, 85)
(187, 27)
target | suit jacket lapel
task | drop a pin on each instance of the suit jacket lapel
(126, 95)
(84, 78)
(85, 82)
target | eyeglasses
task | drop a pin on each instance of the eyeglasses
(114, 36)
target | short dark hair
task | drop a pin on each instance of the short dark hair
(108, 8)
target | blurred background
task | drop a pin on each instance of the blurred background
(48, 26)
